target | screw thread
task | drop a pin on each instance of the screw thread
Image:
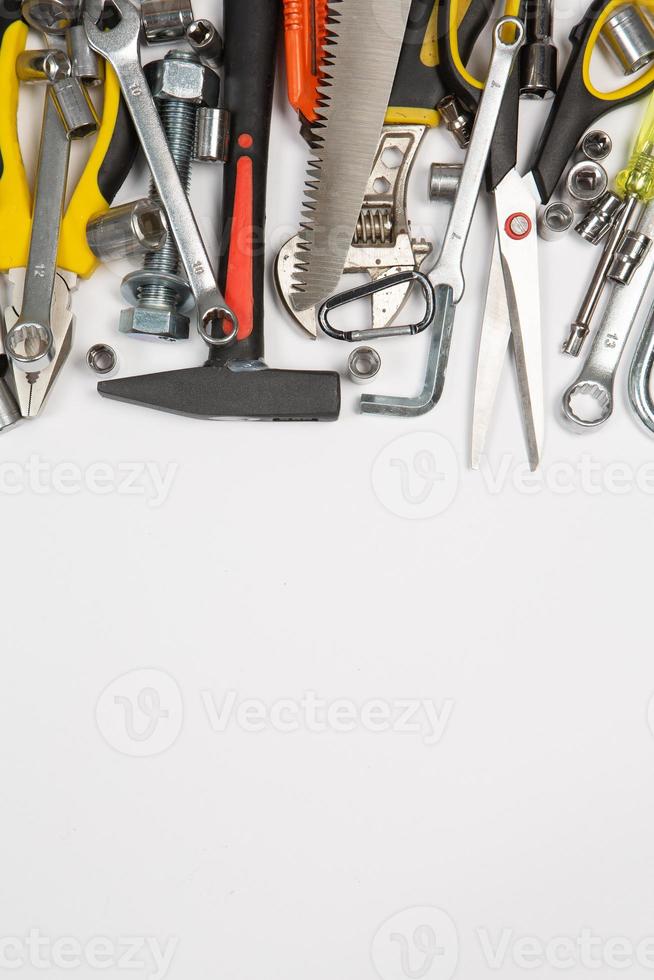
(178, 119)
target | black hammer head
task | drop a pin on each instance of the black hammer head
(234, 391)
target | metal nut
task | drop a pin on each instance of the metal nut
(188, 81)
(165, 324)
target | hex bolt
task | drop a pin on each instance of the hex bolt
(160, 296)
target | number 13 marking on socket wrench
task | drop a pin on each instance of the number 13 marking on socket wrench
(120, 46)
(597, 377)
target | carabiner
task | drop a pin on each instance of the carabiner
(369, 289)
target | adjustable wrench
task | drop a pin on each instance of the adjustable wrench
(382, 245)
(119, 45)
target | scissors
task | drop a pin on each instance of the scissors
(512, 308)
(107, 167)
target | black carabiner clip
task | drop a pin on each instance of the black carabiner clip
(369, 289)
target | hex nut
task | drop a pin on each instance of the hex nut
(165, 324)
(187, 81)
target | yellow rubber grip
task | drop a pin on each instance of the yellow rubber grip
(88, 199)
(15, 194)
(511, 9)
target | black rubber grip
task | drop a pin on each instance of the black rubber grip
(475, 19)
(573, 111)
(417, 84)
(120, 156)
(504, 148)
(251, 31)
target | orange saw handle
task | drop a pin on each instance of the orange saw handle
(305, 29)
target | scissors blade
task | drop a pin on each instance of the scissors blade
(516, 222)
(32, 389)
(495, 334)
(512, 309)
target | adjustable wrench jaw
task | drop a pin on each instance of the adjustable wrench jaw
(382, 245)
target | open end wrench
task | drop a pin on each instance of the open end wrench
(119, 45)
(588, 402)
(448, 272)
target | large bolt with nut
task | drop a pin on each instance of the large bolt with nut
(160, 297)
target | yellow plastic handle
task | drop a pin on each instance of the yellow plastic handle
(637, 179)
(15, 195)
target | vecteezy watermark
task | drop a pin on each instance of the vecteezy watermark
(134, 953)
(416, 476)
(42, 477)
(421, 943)
(417, 944)
(141, 713)
(318, 715)
(586, 951)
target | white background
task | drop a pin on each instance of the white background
(286, 559)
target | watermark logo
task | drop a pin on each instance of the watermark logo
(419, 943)
(141, 712)
(144, 954)
(416, 476)
(340, 716)
(587, 951)
(41, 477)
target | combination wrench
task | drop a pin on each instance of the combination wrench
(120, 46)
(595, 383)
(29, 343)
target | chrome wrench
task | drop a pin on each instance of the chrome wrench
(120, 46)
(29, 343)
(448, 271)
(596, 380)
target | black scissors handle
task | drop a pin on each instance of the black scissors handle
(578, 103)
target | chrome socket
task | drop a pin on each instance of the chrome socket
(444, 179)
(585, 183)
(555, 221)
(130, 229)
(595, 225)
(628, 36)
(74, 107)
(86, 65)
(165, 20)
(103, 360)
(363, 365)
(596, 145)
(206, 42)
(212, 134)
(628, 256)
(457, 121)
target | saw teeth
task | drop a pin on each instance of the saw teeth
(342, 69)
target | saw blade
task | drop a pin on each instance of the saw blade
(361, 54)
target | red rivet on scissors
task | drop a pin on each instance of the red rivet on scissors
(518, 226)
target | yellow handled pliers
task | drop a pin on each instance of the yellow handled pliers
(108, 165)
